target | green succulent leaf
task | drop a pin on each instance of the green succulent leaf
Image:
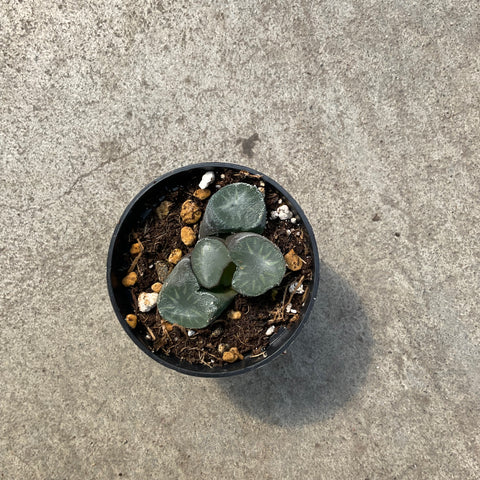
(260, 263)
(184, 302)
(238, 207)
(210, 257)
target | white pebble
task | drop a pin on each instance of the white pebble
(293, 286)
(280, 200)
(222, 176)
(270, 330)
(288, 308)
(282, 212)
(289, 232)
(262, 184)
(217, 186)
(147, 301)
(292, 310)
(207, 179)
(150, 266)
(293, 220)
(191, 333)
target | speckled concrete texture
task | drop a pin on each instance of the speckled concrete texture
(367, 111)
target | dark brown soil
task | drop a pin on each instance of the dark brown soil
(160, 236)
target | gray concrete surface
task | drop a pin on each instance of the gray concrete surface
(361, 108)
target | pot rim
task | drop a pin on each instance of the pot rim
(306, 313)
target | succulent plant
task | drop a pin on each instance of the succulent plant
(238, 207)
(203, 284)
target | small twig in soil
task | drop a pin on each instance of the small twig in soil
(259, 355)
(282, 307)
(135, 301)
(165, 330)
(137, 258)
(183, 330)
(151, 333)
(159, 344)
(242, 173)
(296, 288)
(212, 355)
(203, 362)
(279, 310)
(305, 295)
(238, 338)
(167, 351)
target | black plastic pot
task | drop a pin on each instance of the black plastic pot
(136, 213)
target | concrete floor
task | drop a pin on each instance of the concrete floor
(361, 108)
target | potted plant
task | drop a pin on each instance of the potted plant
(213, 269)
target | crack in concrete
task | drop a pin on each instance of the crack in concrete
(72, 187)
(95, 169)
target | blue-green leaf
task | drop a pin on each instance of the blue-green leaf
(260, 263)
(238, 207)
(210, 257)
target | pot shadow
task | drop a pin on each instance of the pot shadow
(323, 368)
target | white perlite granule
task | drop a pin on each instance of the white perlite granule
(282, 213)
(207, 179)
(147, 301)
